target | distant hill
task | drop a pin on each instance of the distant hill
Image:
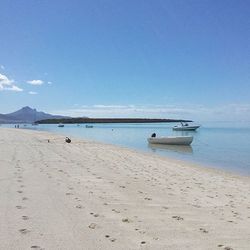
(27, 115)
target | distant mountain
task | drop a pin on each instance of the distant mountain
(27, 115)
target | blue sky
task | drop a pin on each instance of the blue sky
(116, 58)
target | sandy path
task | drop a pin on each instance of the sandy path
(87, 195)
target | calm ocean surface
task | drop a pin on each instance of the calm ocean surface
(222, 145)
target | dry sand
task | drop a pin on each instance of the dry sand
(88, 195)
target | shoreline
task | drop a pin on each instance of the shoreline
(191, 163)
(94, 195)
(235, 162)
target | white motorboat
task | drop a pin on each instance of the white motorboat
(89, 126)
(60, 125)
(185, 127)
(171, 140)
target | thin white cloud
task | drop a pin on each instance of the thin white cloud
(49, 82)
(127, 111)
(7, 84)
(35, 82)
(14, 88)
(230, 112)
(33, 93)
(99, 106)
(2, 67)
(4, 80)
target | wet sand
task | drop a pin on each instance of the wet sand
(88, 195)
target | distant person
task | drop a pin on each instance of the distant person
(153, 135)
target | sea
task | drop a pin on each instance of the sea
(220, 145)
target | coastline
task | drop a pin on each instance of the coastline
(89, 195)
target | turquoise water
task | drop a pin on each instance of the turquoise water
(221, 145)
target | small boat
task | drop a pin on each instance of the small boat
(60, 125)
(185, 127)
(89, 126)
(171, 140)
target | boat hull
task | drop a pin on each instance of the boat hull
(171, 140)
(89, 126)
(185, 128)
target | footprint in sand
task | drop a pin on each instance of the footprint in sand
(19, 191)
(24, 217)
(126, 220)
(93, 226)
(225, 247)
(68, 193)
(203, 230)
(36, 247)
(142, 232)
(79, 206)
(147, 198)
(19, 207)
(177, 217)
(95, 215)
(116, 211)
(110, 238)
(24, 198)
(23, 231)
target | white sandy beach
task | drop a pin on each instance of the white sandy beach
(88, 195)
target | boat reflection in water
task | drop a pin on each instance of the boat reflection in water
(186, 149)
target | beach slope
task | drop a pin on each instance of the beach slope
(88, 195)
